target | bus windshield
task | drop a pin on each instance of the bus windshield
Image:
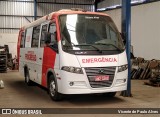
(89, 32)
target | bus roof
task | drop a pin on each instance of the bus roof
(60, 12)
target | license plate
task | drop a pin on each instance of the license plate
(102, 78)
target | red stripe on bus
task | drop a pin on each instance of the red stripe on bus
(49, 57)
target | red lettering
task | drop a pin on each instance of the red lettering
(92, 60)
(103, 60)
(83, 61)
(95, 59)
(106, 59)
(98, 60)
(30, 56)
(87, 60)
(115, 60)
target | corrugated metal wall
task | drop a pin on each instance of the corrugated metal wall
(14, 8)
(68, 1)
(43, 9)
(108, 3)
(12, 13)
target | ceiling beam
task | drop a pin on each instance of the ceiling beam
(56, 2)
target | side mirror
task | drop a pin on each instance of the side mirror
(47, 37)
(123, 38)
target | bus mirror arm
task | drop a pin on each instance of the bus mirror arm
(54, 47)
(56, 50)
(123, 37)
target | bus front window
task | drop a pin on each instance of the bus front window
(89, 32)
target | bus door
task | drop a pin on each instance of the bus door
(54, 54)
(54, 45)
(50, 53)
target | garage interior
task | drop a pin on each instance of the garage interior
(137, 20)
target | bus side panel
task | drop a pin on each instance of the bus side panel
(26, 55)
(49, 57)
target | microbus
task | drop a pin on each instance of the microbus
(73, 51)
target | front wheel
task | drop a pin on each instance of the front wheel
(53, 89)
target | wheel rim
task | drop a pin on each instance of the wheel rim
(52, 88)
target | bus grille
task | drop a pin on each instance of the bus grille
(92, 72)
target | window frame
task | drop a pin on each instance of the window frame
(44, 24)
(35, 38)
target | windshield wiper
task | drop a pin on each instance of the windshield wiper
(109, 44)
(100, 51)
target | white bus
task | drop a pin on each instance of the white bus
(73, 52)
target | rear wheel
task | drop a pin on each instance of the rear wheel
(27, 78)
(53, 89)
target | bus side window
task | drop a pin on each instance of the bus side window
(35, 36)
(52, 30)
(42, 41)
(23, 40)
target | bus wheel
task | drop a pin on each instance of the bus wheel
(110, 94)
(53, 89)
(27, 78)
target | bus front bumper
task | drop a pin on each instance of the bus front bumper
(79, 84)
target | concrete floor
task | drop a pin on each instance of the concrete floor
(17, 94)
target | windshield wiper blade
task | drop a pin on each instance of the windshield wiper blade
(109, 44)
(100, 51)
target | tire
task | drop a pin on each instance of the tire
(53, 89)
(110, 94)
(27, 78)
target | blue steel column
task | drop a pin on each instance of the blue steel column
(95, 5)
(126, 30)
(35, 9)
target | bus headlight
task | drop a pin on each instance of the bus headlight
(122, 68)
(72, 69)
